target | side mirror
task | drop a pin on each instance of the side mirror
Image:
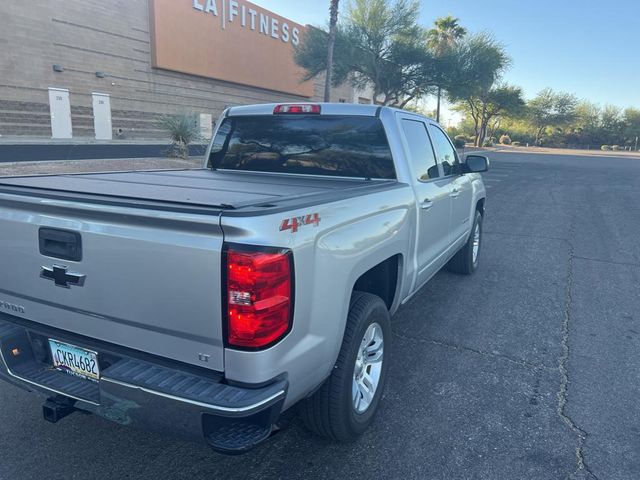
(432, 172)
(476, 163)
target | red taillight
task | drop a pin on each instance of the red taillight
(300, 109)
(259, 297)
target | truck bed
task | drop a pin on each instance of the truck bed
(154, 277)
(194, 190)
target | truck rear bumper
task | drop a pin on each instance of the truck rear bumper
(146, 392)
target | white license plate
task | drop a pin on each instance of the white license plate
(75, 360)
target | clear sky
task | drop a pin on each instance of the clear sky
(586, 47)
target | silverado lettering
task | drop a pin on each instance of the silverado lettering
(11, 307)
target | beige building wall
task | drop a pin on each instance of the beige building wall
(111, 37)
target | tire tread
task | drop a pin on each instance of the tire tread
(322, 412)
(462, 261)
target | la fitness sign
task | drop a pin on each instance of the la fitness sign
(241, 42)
(231, 11)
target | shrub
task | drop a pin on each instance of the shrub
(183, 130)
(505, 140)
(615, 148)
(515, 144)
(488, 143)
(459, 141)
(605, 147)
(452, 132)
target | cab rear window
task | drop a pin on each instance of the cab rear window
(347, 146)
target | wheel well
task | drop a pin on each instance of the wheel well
(480, 206)
(381, 280)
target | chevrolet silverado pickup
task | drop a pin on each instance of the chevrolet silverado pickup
(205, 302)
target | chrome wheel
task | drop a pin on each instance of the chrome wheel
(476, 242)
(368, 368)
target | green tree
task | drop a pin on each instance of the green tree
(632, 127)
(591, 126)
(442, 39)
(585, 128)
(479, 63)
(587, 116)
(486, 108)
(380, 45)
(551, 109)
(612, 125)
(331, 41)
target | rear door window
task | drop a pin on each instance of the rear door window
(445, 153)
(423, 160)
(348, 146)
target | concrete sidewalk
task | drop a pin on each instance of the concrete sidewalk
(45, 151)
(32, 140)
(563, 151)
(58, 167)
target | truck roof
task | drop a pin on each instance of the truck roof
(326, 109)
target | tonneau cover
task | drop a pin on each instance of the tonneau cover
(201, 187)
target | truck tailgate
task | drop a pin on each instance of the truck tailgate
(152, 278)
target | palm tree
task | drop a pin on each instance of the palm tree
(333, 21)
(442, 38)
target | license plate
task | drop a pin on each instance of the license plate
(75, 360)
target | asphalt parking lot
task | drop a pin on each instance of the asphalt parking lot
(530, 369)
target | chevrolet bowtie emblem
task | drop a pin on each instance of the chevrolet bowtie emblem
(62, 277)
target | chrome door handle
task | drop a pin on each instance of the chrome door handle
(426, 204)
(454, 193)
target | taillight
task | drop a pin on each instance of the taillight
(259, 297)
(293, 109)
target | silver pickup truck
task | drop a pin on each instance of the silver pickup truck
(205, 302)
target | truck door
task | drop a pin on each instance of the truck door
(461, 189)
(433, 199)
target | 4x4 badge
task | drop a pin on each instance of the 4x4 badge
(62, 277)
(294, 223)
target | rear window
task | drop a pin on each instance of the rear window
(347, 146)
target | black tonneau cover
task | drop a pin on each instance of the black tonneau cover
(201, 189)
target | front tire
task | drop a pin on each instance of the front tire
(466, 260)
(344, 406)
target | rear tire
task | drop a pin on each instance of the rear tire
(338, 410)
(465, 262)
